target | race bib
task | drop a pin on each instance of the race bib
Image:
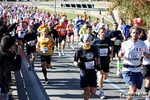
(32, 43)
(62, 31)
(103, 52)
(45, 50)
(134, 56)
(80, 25)
(70, 28)
(89, 65)
(21, 34)
(117, 42)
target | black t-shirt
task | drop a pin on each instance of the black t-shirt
(88, 60)
(54, 32)
(118, 36)
(104, 50)
(30, 37)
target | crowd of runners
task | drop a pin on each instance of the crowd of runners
(42, 32)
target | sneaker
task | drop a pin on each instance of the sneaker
(47, 82)
(56, 49)
(32, 64)
(63, 53)
(59, 54)
(72, 47)
(118, 73)
(101, 95)
(49, 67)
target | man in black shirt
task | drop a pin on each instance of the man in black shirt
(89, 61)
(103, 44)
(30, 39)
(117, 38)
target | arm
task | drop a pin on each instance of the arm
(11, 27)
(76, 58)
(120, 54)
(98, 66)
(12, 64)
(53, 41)
(37, 46)
(39, 29)
(111, 54)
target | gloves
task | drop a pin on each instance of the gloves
(80, 64)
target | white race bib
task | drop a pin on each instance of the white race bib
(134, 56)
(62, 31)
(21, 34)
(89, 65)
(32, 43)
(70, 28)
(80, 25)
(103, 51)
(117, 42)
(45, 50)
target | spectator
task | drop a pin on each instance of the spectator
(10, 61)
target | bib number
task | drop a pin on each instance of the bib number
(134, 56)
(103, 52)
(89, 65)
(62, 31)
(21, 34)
(45, 50)
(32, 43)
(117, 42)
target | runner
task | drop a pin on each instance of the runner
(61, 29)
(89, 61)
(132, 51)
(44, 25)
(20, 33)
(146, 64)
(44, 46)
(53, 33)
(117, 38)
(79, 23)
(83, 29)
(30, 39)
(104, 44)
(70, 32)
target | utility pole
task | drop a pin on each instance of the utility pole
(54, 6)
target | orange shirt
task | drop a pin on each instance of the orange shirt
(70, 28)
(84, 17)
(61, 30)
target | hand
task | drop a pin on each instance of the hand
(29, 43)
(37, 50)
(114, 39)
(76, 63)
(144, 53)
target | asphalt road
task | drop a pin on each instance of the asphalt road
(64, 81)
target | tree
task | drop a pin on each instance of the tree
(130, 9)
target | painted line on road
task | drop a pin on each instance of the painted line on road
(108, 81)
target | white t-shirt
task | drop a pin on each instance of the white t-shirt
(145, 60)
(132, 54)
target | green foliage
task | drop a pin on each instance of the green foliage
(130, 9)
